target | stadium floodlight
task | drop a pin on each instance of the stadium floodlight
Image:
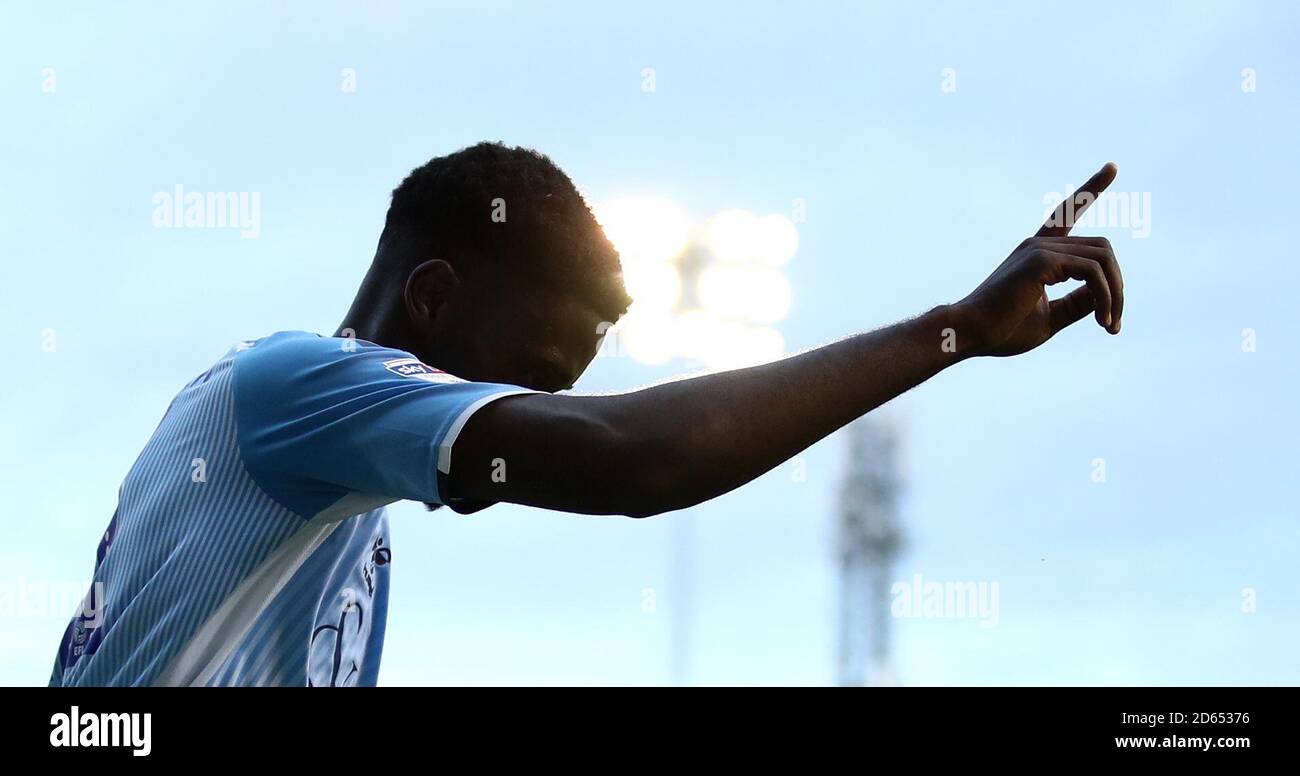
(648, 338)
(644, 229)
(740, 237)
(724, 344)
(655, 285)
(709, 293)
(748, 293)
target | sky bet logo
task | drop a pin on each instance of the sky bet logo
(120, 730)
(413, 367)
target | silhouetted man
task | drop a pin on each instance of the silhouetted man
(250, 543)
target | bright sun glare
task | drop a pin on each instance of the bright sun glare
(720, 313)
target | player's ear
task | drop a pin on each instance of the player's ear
(428, 289)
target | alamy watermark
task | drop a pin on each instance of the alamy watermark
(1113, 209)
(181, 209)
(92, 729)
(930, 599)
(22, 598)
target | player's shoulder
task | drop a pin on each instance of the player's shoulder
(298, 357)
(285, 352)
(304, 345)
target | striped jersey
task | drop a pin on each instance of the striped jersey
(250, 544)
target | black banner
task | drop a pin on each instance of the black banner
(211, 726)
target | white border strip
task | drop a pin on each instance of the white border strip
(444, 449)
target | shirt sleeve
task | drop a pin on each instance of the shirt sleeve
(320, 418)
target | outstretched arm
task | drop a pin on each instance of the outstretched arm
(677, 444)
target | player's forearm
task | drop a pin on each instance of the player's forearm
(701, 437)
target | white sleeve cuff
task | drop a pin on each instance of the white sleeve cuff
(444, 450)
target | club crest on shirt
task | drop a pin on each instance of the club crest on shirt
(413, 367)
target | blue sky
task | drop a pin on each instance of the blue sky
(913, 195)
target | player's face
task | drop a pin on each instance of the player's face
(542, 340)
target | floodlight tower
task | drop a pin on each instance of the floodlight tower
(711, 294)
(868, 540)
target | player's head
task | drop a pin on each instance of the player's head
(498, 267)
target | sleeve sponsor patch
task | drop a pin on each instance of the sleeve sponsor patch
(414, 368)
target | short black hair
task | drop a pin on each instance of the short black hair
(494, 208)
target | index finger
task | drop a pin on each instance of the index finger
(1066, 213)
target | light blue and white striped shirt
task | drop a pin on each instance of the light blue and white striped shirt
(250, 543)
